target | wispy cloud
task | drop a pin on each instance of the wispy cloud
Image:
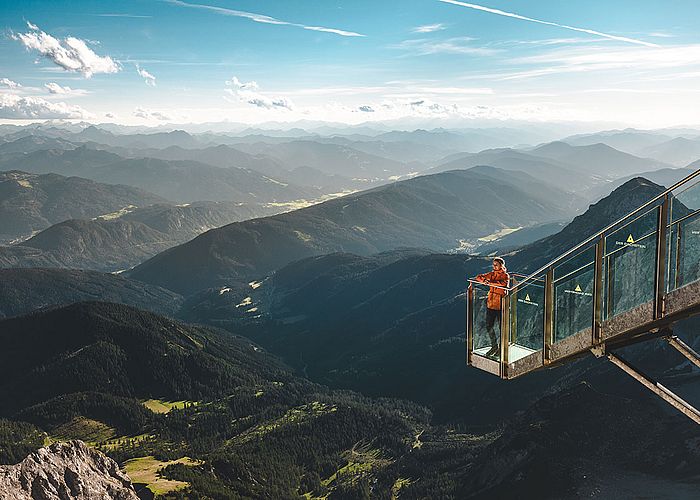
(55, 88)
(429, 28)
(6, 82)
(71, 54)
(456, 45)
(147, 77)
(605, 59)
(248, 92)
(35, 108)
(151, 115)
(260, 18)
(549, 23)
(661, 34)
(133, 16)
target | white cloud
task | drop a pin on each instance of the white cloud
(6, 82)
(148, 77)
(548, 23)
(602, 59)
(71, 54)
(248, 92)
(429, 28)
(110, 115)
(33, 27)
(260, 18)
(457, 45)
(55, 88)
(148, 114)
(17, 107)
(366, 109)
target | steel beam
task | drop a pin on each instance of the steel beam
(660, 275)
(548, 314)
(470, 323)
(505, 334)
(679, 404)
(597, 320)
(684, 349)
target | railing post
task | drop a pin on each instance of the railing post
(548, 314)
(677, 270)
(505, 334)
(660, 275)
(470, 323)
(597, 320)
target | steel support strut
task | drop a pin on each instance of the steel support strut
(684, 349)
(679, 404)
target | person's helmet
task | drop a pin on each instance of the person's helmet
(500, 259)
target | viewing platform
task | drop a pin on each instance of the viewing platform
(628, 283)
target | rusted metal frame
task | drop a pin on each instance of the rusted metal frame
(676, 275)
(597, 319)
(470, 323)
(548, 315)
(608, 287)
(684, 407)
(684, 349)
(505, 334)
(660, 274)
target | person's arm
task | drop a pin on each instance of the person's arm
(500, 278)
(487, 277)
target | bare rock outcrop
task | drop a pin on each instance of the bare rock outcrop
(65, 471)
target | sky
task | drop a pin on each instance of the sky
(151, 62)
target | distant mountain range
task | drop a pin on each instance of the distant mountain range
(571, 168)
(32, 202)
(182, 181)
(23, 291)
(329, 158)
(122, 239)
(441, 212)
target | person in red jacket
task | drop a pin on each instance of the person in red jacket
(498, 277)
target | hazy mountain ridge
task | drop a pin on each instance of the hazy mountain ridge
(119, 241)
(174, 180)
(32, 202)
(430, 212)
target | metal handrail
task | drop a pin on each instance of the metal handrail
(606, 229)
(471, 280)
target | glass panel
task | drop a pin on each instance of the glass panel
(484, 337)
(688, 251)
(684, 251)
(527, 321)
(685, 202)
(573, 294)
(630, 262)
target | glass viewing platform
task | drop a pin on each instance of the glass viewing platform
(628, 283)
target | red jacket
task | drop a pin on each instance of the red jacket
(500, 278)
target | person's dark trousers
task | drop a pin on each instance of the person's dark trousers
(493, 316)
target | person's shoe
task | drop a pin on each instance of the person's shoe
(494, 351)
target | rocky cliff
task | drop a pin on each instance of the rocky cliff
(65, 470)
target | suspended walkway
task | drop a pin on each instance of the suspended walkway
(628, 283)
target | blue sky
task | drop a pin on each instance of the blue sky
(149, 62)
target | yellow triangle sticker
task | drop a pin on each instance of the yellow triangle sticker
(578, 288)
(527, 297)
(630, 239)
